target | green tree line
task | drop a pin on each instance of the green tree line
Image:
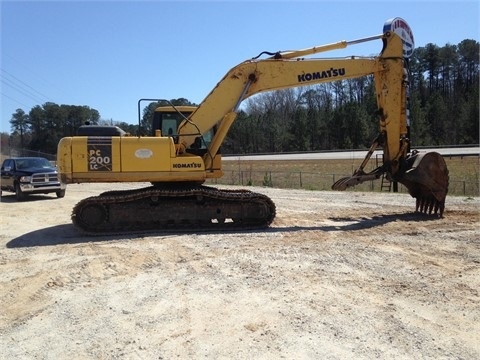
(43, 127)
(444, 108)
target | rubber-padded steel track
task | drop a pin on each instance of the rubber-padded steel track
(193, 208)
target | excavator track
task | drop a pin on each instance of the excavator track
(185, 209)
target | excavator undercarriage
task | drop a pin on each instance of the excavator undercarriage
(168, 208)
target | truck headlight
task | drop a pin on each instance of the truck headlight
(26, 179)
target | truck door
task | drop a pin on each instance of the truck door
(8, 168)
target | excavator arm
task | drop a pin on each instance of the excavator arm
(290, 69)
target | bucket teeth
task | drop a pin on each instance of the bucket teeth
(429, 205)
(427, 181)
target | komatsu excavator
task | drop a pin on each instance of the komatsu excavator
(183, 150)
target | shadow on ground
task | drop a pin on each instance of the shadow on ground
(67, 234)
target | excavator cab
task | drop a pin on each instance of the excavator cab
(166, 121)
(168, 118)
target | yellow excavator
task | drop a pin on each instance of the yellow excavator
(184, 148)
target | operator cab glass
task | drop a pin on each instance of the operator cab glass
(167, 120)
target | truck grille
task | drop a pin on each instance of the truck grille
(44, 178)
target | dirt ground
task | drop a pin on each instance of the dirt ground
(339, 275)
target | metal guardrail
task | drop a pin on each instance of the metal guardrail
(451, 151)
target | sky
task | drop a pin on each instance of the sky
(109, 54)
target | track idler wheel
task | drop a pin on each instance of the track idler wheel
(90, 216)
(427, 181)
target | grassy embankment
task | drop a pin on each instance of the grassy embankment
(321, 174)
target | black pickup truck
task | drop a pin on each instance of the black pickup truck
(30, 175)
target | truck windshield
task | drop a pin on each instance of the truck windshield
(33, 163)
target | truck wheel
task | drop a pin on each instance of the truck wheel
(19, 193)
(60, 193)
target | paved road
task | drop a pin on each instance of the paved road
(346, 155)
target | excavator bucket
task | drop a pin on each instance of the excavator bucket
(427, 182)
